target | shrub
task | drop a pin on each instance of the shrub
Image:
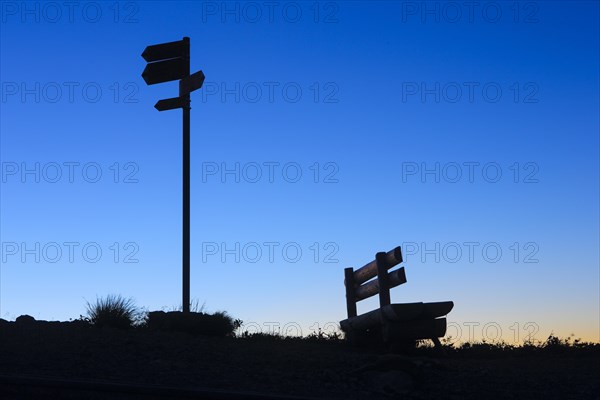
(263, 336)
(113, 311)
(197, 323)
(321, 336)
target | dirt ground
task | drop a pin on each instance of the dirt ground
(321, 370)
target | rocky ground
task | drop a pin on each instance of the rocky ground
(322, 370)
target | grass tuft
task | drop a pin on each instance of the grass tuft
(113, 311)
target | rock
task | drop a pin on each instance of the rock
(157, 320)
(25, 320)
(79, 323)
(51, 324)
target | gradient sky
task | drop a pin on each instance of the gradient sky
(468, 135)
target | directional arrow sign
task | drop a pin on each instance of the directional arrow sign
(170, 104)
(164, 51)
(164, 71)
(191, 83)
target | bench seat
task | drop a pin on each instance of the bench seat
(403, 321)
(397, 313)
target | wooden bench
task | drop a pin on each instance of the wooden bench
(390, 323)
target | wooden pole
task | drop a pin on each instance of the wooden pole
(382, 277)
(350, 292)
(186, 191)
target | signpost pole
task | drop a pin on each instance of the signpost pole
(169, 62)
(186, 186)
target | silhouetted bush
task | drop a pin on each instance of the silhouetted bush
(555, 344)
(264, 336)
(316, 337)
(484, 349)
(323, 336)
(196, 323)
(113, 311)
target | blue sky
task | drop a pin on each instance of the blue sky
(325, 132)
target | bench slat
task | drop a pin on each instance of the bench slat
(399, 312)
(368, 271)
(396, 278)
(361, 322)
(408, 311)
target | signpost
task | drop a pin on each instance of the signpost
(169, 62)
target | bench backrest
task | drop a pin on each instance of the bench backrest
(359, 285)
